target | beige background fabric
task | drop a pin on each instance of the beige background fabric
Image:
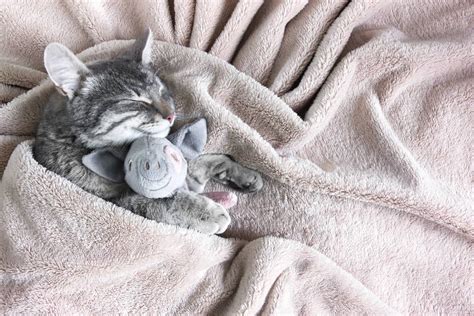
(359, 114)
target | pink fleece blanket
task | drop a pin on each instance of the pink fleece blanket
(358, 113)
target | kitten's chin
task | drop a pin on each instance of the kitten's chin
(161, 134)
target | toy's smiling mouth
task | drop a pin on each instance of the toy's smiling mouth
(163, 172)
(160, 188)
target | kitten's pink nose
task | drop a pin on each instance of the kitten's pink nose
(171, 118)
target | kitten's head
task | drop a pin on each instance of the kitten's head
(114, 102)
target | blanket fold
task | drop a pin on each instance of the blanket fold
(358, 114)
(129, 263)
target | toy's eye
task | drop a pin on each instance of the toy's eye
(147, 165)
(130, 165)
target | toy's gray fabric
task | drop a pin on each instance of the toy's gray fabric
(191, 138)
(105, 164)
(152, 167)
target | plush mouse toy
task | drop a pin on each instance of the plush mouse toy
(156, 167)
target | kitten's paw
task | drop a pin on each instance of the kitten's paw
(250, 182)
(239, 177)
(213, 219)
(198, 212)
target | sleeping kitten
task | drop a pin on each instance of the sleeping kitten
(112, 103)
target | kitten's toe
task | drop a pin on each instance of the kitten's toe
(249, 182)
(254, 185)
(213, 219)
(223, 221)
(219, 216)
(206, 228)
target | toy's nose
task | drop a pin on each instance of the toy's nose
(148, 165)
(151, 169)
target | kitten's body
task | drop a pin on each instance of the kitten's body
(113, 103)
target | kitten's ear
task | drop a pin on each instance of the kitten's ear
(141, 49)
(64, 68)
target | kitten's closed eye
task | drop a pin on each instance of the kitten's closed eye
(142, 99)
(165, 102)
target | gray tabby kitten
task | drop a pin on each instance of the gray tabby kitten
(112, 103)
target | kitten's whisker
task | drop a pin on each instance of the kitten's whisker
(182, 117)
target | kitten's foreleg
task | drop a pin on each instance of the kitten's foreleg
(185, 209)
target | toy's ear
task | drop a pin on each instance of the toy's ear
(191, 138)
(105, 164)
(141, 49)
(64, 68)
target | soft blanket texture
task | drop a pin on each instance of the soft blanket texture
(368, 199)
